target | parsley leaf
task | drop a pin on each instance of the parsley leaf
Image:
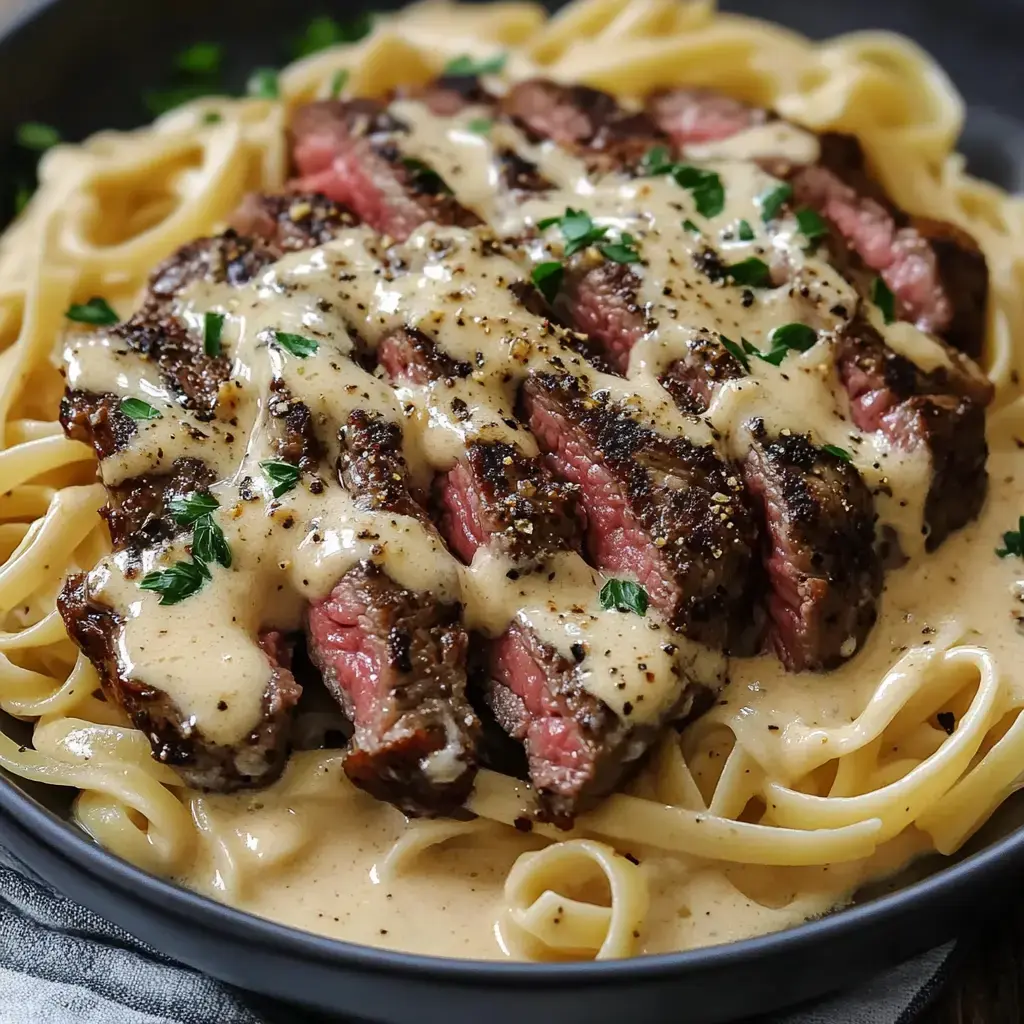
(212, 117)
(736, 352)
(884, 299)
(705, 187)
(547, 279)
(744, 232)
(209, 543)
(37, 136)
(200, 59)
(282, 475)
(688, 225)
(1014, 541)
(839, 453)
(773, 200)
(136, 409)
(657, 161)
(181, 580)
(796, 337)
(623, 251)
(22, 197)
(96, 311)
(753, 272)
(263, 84)
(424, 177)
(481, 125)
(465, 67)
(213, 325)
(187, 511)
(296, 344)
(338, 82)
(811, 224)
(325, 31)
(624, 596)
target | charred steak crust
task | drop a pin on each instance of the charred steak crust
(693, 380)
(253, 762)
(669, 512)
(96, 420)
(819, 549)
(395, 661)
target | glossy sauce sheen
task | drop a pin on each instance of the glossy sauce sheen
(312, 856)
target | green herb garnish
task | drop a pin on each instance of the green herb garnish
(22, 197)
(811, 224)
(753, 272)
(744, 232)
(37, 136)
(325, 31)
(577, 227)
(465, 67)
(96, 311)
(263, 84)
(181, 580)
(282, 475)
(773, 200)
(161, 100)
(705, 187)
(481, 125)
(884, 299)
(296, 344)
(424, 177)
(187, 511)
(212, 117)
(338, 82)
(1013, 541)
(736, 352)
(547, 279)
(623, 251)
(688, 225)
(839, 453)
(657, 161)
(200, 59)
(209, 543)
(213, 325)
(136, 409)
(788, 337)
(624, 596)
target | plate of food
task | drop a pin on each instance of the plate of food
(515, 504)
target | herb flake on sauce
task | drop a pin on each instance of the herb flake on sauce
(624, 596)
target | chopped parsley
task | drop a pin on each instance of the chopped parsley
(736, 352)
(424, 177)
(744, 232)
(705, 186)
(37, 136)
(212, 117)
(96, 311)
(283, 476)
(1013, 542)
(547, 278)
(624, 596)
(772, 201)
(296, 344)
(623, 251)
(213, 326)
(181, 580)
(753, 272)
(208, 541)
(338, 82)
(796, 337)
(325, 31)
(136, 409)
(200, 59)
(481, 125)
(884, 299)
(22, 197)
(811, 224)
(839, 453)
(465, 67)
(263, 84)
(189, 510)
(688, 225)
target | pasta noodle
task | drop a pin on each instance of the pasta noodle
(860, 787)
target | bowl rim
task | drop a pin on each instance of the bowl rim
(20, 812)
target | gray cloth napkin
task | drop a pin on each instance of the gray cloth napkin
(62, 964)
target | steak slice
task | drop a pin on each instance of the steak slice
(693, 380)
(255, 761)
(350, 151)
(825, 574)
(689, 116)
(941, 410)
(669, 513)
(394, 658)
(584, 120)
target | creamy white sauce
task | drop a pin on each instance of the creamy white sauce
(314, 858)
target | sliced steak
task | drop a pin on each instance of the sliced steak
(351, 152)
(693, 380)
(584, 120)
(255, 761)
(291, 221)
(670, 513)
(448, 95)
(819, 551)
(96, 420)
(941, 410)
(689, 116)
(395, 659)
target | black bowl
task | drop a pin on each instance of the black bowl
(86, 66)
